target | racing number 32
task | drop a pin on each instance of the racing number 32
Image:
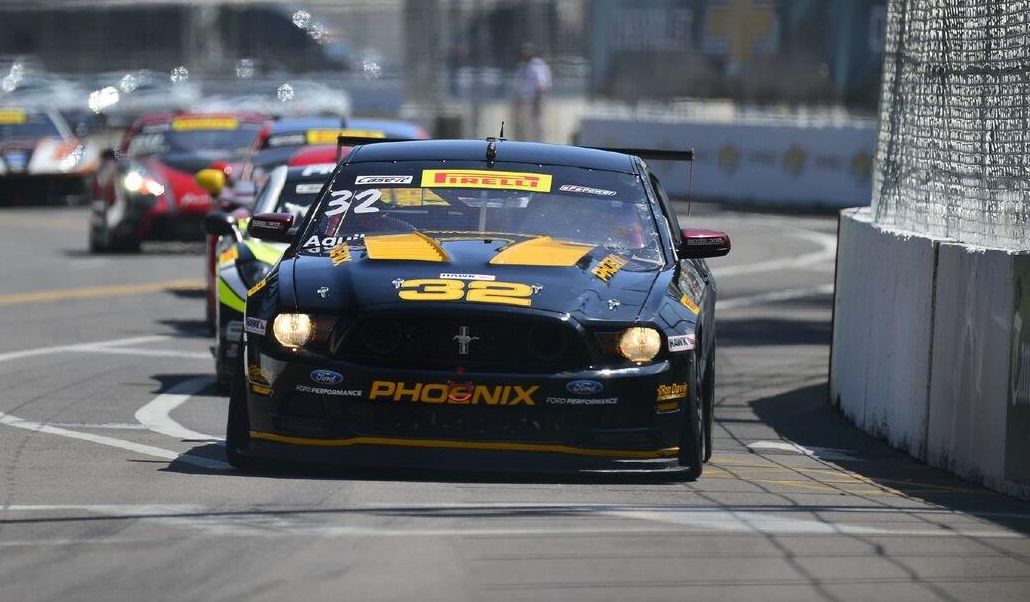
(433, 289)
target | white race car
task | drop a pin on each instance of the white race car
(40, 159)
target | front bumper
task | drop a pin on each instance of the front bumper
(375, 416)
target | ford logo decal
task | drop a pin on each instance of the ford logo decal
(584, 387)
(327, 377)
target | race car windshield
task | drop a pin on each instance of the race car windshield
(605, 209)
(28, 127)
(165, 138)
(282, 194)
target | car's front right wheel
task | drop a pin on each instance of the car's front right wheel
(237, 428)
(692, 440)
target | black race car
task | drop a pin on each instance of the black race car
(482, 304)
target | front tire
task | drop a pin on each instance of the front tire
(709, 406)
(237, 428)
(692, 441)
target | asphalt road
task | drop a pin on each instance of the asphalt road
(113, 485)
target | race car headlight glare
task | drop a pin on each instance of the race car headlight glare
(135, 182)
(292, 330)
(640, 344)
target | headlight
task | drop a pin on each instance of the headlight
(292, 330)
(251, 272)
(639, 344)
(137, 183)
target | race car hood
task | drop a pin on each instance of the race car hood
(585, 282)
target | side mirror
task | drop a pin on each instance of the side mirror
(211, 180)
(699, 243)
(273, 227)
(217, 223)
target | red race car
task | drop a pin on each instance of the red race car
(146, 188)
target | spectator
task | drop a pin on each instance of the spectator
(532, 82)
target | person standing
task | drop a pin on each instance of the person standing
(532, 82)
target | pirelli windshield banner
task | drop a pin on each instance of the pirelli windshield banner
(476, 178)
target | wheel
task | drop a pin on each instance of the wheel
(709, 405)
(96, 242)
(692, 441)
(224, 364)
(237, 427)
(125, 243)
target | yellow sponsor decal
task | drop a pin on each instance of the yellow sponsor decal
(608, 267)
(542, 251)
(260, 390)
(257, 287)
(330, 136)
(339, 254)
(259, 376)
(10, 116)
(668, 406)
(672, 391)
(231, 254)
(453, 393)
(205, 123)
(412, 197)
(689, 304)
(475, 178)
(441, 289)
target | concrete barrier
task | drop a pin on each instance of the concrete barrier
(970, 370)
(882, 330)
(931, 350)
(767, 163)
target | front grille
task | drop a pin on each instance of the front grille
(482, 343)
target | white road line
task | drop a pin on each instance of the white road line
(774, 296)
(823, 453)
(99, 425)
(279, 522)
(156, 417)
(13, 355)
(195, 355)
(146, 450)
(826, 253)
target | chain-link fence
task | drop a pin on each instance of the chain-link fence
(953, 156)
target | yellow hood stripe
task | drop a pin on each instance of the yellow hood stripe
(413, 246)
(542, 251)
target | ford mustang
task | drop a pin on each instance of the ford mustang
(481, 304)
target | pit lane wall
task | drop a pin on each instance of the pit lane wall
(931, 350)
(819, 162)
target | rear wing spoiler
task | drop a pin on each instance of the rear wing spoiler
(344, 141)
(650, 153)
(661, 155)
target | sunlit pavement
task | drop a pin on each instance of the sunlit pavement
(114, 486)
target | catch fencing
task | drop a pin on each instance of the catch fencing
(953, 154)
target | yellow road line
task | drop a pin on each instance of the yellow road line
(100, 291)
